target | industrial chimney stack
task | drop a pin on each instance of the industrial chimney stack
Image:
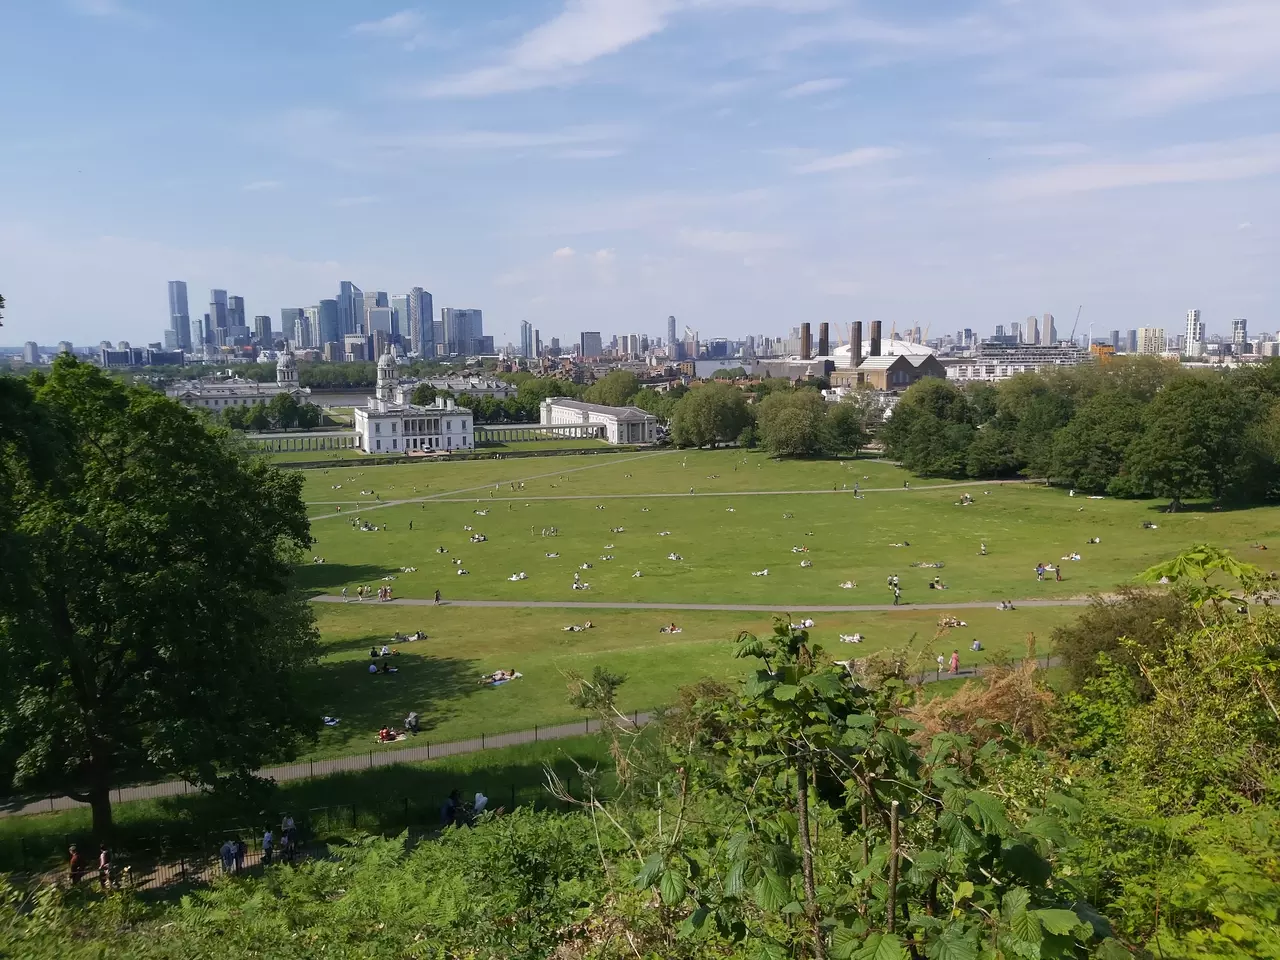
(824, 340)
(855, 343)
(806, 342)
(875, 338)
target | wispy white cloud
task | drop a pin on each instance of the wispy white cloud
(564, 253)
(853, 159)
(813, 87)
(402, 24)
(584, 31)
(255, 186)
(409, 27)
(1199, 163)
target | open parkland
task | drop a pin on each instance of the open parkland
(726, 514)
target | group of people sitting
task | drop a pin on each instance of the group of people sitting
(479, 538)
(674, 556)
(409, 638)
(671, 628)
(385, 652)
(518, 576)
(1004, 605)
(574, 628)
(850, 638)
(848, 585)
(934, 565)
(384, 667)
(804, 624)
(498, 676)
(390, 735)
(806, 563)
(799, 549)
(760, 573)
(951, 623)
(937, 584)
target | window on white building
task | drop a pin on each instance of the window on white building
(379, 444)
(377, 427)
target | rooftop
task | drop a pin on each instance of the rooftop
(622, 413)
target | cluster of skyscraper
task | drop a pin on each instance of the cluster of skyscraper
(354, 325)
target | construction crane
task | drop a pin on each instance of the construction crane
(1076, 324)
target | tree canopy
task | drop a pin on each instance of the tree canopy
(148, 617)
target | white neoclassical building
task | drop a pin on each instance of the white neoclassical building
(385, 426)
(236, 392)
(621, 424)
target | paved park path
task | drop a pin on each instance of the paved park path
(733, 607)
(384, 757)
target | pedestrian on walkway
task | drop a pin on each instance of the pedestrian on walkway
(897, 594)
(104, 866)
(241, 851)
(955, 661)
(227, 854)
(268, 847)
(76, 865)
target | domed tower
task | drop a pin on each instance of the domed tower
(287, 371)
(388, 376)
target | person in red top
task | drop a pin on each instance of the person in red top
(76, 865)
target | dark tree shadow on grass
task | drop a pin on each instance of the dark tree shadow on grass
(317, 578)
(431, 686)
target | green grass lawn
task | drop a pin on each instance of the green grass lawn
(437, 677)
(721, 540)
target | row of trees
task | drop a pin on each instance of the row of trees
(149, 620)
(1132, 427)
(786, 422)
(817, 811)
(282, 412)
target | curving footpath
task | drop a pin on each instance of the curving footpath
(20, 806)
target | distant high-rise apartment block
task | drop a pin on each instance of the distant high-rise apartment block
(65, 346)
(671, 332)
(421, 324)
(1015, 331)
(1150, 340)
(262, 329)
(999, 330)
(179, 314)
(309, 335)
(589, 344)
(1115, 340)
(31, 352)
(1239, 330)
(1048, 332)
(1193, 340)
(526, 339)
(1131, 341)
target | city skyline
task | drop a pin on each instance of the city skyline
(726, 161)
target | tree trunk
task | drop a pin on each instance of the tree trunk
(100, 805)
(806, 851)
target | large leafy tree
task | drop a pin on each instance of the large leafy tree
(714, 413)
(614, 389)
(148, 619)
(793, 424)
(1193, 442)
(1088, 452)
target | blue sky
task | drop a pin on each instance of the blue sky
(600, 164)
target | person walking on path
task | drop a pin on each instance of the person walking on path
(75, 865)
(955, 661)
(897, 594)
(268, 846)
(437, 597)
(104, 866)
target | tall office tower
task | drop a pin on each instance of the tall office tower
(1048, 333)
(1239, 330)
(526, 339)
(329, 322)
(377, 319)
(31, 352)
(309, 335)
(350, 306)
(589, 344)
(400, 317)
(421, 326)
(1131, 340)
(644, 344)
(633, 344)
(292, 321)
(218, 309)
(1015, 331)
(1031, 330)
(1150, 340)
(1193, 343)
(64, 346)
(373, 300)
(537, 343)
(1115, 340)
(235, 312)
(195, 333)
(262, 329)
(671, 332)
(999, 331)
(463, 329)
(437, 336)
(179, 315)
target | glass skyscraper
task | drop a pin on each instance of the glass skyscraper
(179, 315)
